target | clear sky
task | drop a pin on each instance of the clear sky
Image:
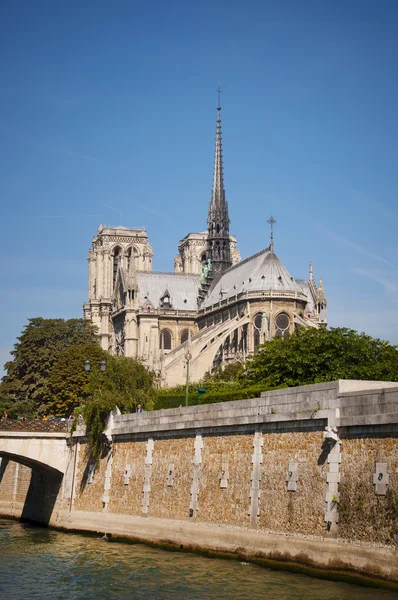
(108, 112)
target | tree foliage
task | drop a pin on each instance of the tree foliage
(319, 355)
(230, 373)
(47, 375)
(38, 348)
(68, 384)
(125, 383)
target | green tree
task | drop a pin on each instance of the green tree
(319, 355)
(68, 384)
(125, 383)
(230, 373)
(23, 388)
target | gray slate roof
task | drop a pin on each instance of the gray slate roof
(305, 288)
(183, 289)
(261, 272)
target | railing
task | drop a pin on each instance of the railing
(34, 425)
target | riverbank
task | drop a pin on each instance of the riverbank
(330, 559)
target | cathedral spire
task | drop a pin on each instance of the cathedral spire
(218, 192)
(218, 243)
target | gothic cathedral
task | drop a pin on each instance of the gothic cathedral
(215, 308)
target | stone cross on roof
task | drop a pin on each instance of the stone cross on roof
(272, 222)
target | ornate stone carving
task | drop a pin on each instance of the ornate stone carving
(129, 240)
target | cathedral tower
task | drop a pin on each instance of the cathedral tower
(218, 239)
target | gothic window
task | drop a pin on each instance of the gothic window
(282, 323)
(184, 336)
(116, 262)
(257, 329)
(165, 339)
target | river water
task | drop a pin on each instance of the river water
(50, 565)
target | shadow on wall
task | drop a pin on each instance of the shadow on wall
(41, 496)
(91, 464)
(3, 466)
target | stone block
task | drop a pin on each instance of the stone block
(330, 495)
(331, 516)
(334, 457)
(127, 474)
(292, 476)
(170, 476)
(381, 479)
(333, 477)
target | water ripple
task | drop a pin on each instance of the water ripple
(43, 564)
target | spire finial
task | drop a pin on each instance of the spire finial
(272, 222)
(219, 96)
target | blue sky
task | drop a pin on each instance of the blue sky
(107, 115)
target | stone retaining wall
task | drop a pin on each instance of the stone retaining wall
(317, 463)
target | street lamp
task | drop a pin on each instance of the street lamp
(87, 366)
(187, 357)
(102, 366)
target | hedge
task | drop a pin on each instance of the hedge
(172, 399)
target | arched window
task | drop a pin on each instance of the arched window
(257, 330)
(116, 262)
(165, 339)
(282, 323)
(184, 336)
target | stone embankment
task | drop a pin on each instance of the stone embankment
(307, 476)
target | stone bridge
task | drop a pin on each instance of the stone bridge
(43, 450)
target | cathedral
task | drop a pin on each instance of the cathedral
(213, 309)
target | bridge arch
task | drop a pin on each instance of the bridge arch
(32, 464)
(47, 455)
(43, 451)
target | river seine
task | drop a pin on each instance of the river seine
(50, 565)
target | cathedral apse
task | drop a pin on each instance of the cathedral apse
(215, 307)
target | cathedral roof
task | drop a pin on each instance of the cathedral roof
(183, 289)
(261, 272)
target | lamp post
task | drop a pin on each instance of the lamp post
(187, 357)
(102, 366)
(87, 366)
